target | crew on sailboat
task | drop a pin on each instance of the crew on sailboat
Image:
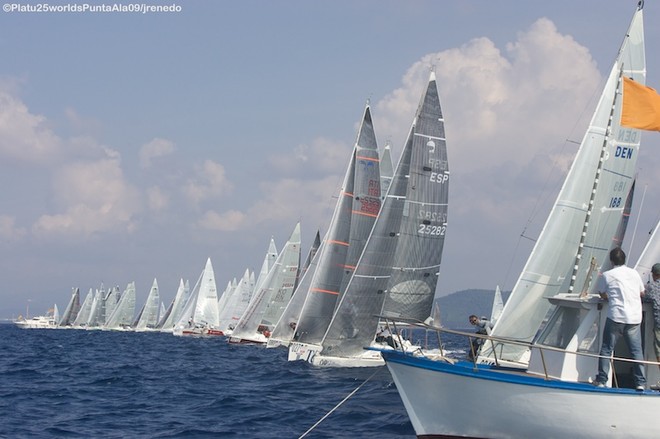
(652, 295)
(483, 327)
(623, 289)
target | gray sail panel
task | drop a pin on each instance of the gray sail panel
(122, 316)
(354, 324)
(71, 310)
(276, 288)
(85, 310)
(366, 195)
(417, 260)
(326, 284)
(286, 326)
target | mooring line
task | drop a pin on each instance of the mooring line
(337, 406)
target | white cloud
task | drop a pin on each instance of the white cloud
(156, 148)
(321, 155)
(157, 199)
(25, 136)
(95, 198)
(211, 182)
(8, 230)
(229, 221)
(506, 107)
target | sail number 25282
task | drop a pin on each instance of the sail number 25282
(428, 229)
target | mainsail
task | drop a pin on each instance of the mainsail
(398, 270)
(72, 309)
(354, 215)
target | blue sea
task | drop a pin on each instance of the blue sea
(104, 384)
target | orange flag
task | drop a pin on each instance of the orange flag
(641, 106)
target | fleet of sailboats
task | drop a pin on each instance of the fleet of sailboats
(378, 264)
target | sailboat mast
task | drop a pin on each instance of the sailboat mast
(594, 189)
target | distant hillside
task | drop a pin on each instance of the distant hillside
(457, 307)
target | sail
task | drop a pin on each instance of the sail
(56, 314)
(588, 209)
(173, 313)
(273, 295)
(386, 170)
(72, 309)
(285, 328)
(111, 301)
(206, 308)
(398, 269)
(149, 315)
(310, 256)
(498, 305)
(650, 255)
(85, 310)
(267, 264)
(186, 318)
(236, 304)
(97, 314)
(354, 215)
(122, 316)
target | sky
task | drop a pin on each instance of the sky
(135, 146)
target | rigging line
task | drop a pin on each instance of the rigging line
(338, 405)
(639, 214)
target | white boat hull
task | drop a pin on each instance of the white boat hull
(457, 400)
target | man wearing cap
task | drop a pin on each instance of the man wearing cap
(652, 295)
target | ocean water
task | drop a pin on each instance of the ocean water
(104, 384)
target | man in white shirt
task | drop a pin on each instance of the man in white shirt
(623, 289)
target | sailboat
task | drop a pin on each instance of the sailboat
(548, 397)
(285, 327)
(272, 296)
(85, 310)
(71, 310)
(174, 311)
(121, 318)
(147, 319)
(235, 305)
(353, 218)
(200, 316)
(397, 272)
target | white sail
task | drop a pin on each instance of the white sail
(148, 319)
(286, 326)
(269, 260)
(85, 310)
(386, 170)
(588, 209)
(498, 305)
(173, 314)
(650, 255)
(122, 316)
(272, 296)
(236, 304)
(97, 314)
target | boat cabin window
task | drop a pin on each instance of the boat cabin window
(561, 328)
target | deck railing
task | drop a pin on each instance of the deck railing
(498, 341)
